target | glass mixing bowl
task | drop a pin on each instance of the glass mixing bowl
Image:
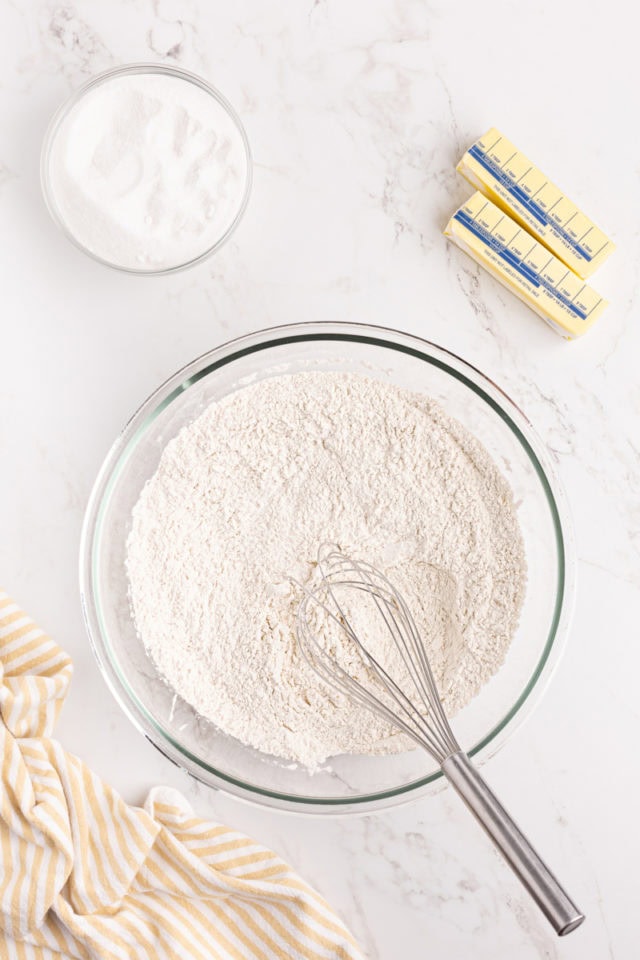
(348, 783)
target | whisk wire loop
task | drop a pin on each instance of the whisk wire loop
(423, 720)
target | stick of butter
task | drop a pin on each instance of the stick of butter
(531, 271)
(494, 166)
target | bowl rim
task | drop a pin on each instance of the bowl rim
(139, 67)
(338, 331)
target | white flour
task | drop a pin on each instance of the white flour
(148, 171)
(240, 502)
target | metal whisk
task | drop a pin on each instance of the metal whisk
(411, 703)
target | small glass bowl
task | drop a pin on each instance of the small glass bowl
(347, 783)
(65, 109)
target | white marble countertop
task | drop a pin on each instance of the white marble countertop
(356, 112)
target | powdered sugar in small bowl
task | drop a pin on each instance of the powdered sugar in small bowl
(146, 168)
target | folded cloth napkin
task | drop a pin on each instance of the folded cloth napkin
(82, 874)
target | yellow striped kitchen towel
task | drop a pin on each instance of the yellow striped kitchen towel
(82, 874)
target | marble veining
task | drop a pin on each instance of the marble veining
(356, 113)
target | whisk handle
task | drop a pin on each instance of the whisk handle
(559, 909)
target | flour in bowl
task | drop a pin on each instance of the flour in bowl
(238, 506)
